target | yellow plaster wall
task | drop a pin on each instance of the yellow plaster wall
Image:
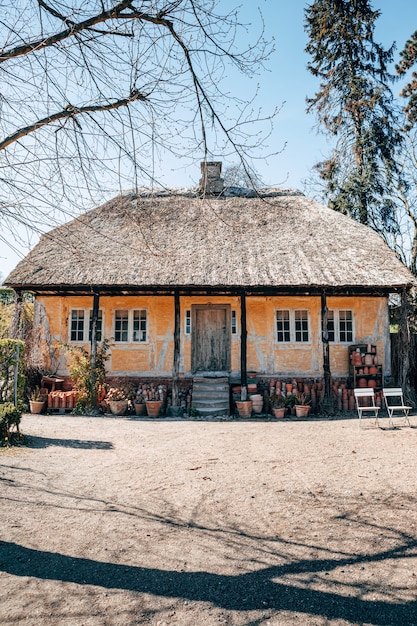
(265, 355)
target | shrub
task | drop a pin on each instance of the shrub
(87, 382)
(9, 418)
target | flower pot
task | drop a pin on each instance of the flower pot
(302, 410)
(257, 403)
(244, 408)
(118, 407)
(279, 412)
(153, 407)
(140, 408)
(36, 406)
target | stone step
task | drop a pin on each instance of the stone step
(211, 395)
(206, 411)
(211, 390)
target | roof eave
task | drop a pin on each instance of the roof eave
(250, 290)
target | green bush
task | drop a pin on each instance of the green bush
(9, 419)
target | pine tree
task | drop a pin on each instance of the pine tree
(409, 58)
(354, 106)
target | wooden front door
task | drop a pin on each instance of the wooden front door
(210, 338)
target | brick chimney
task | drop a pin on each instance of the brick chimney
(210, 182)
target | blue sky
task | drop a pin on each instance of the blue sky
(286, 82)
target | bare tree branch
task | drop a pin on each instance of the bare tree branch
(69, 113)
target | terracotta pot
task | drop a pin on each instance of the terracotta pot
(36, 406)
(153, 407)
(302, 410)
(118, 407)
(288, 387)
(140, 408)
(372, 383)
(279, 412)
(257, 403)
(244, 408)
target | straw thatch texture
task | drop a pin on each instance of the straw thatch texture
(281, 240)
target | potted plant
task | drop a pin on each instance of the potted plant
(139, 402)
(290, 401)
(37, 400)
(244, 408)
(302, 404)
(278, 405)
(117, 399)
(154, 399)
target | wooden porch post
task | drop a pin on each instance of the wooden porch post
(177, 337)
(243, 347)
(93, 344)
(325, 340)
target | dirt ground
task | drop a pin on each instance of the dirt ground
(118, 521)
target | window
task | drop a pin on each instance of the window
(80, 324)
(292, 326)
(139, 325)
(301, 326)
(345, 326)
(130, 325)
(121, 325)
(188, 322)
(99, 326)
(234, 323)
(283, 326)
(77, 325)
(340, 326)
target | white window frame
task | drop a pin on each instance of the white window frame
(233, 323)
(292, 323)
(187, 322)
(131, 323)
(142, 319)
(337, 326)
(88, 315)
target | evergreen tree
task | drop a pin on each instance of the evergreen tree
(354, 106)
(408, 59)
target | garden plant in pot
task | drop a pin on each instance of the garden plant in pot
(37, 400)
(278, 405)
(289, 402)
(302, 404)
(117, 399)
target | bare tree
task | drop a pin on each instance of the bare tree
(94, 92)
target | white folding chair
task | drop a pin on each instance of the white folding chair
(362, 396)
(394, 401)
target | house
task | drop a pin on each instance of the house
(213, 281)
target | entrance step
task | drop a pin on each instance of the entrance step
(211, 395)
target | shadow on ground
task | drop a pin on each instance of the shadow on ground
(251, 591)
(31, 441)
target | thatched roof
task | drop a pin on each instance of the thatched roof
(166, 240)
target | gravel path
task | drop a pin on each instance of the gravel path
(117, 521)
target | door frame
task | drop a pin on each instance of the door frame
(225, 307)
